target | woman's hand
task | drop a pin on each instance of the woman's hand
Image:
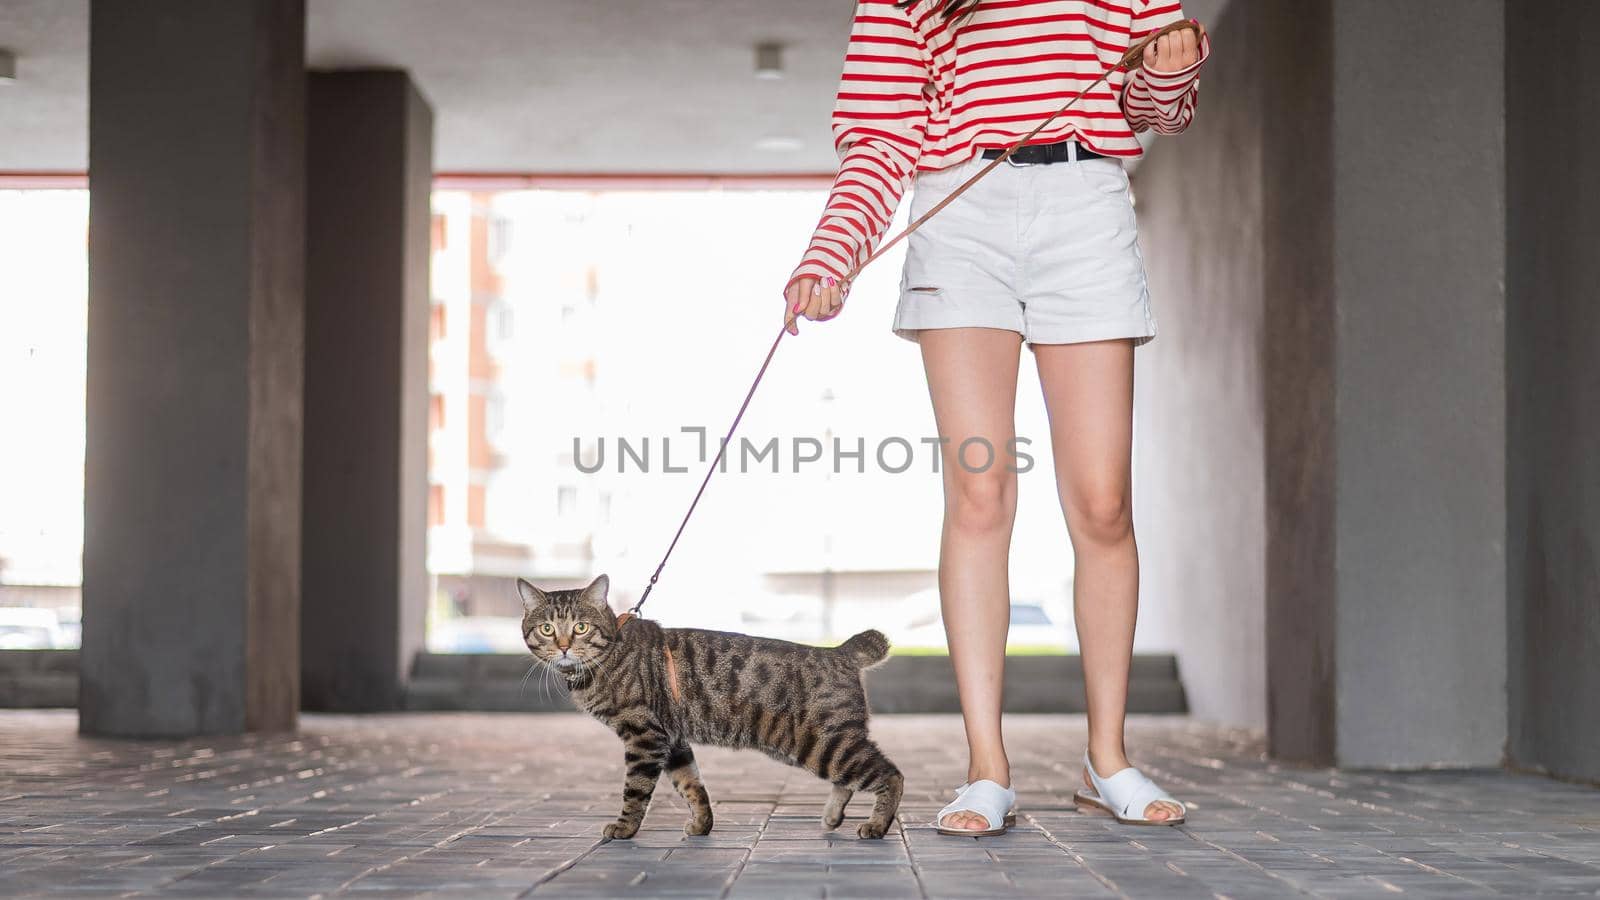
(1175, 51)
(816, 300)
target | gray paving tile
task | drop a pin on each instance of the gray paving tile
(509, 806)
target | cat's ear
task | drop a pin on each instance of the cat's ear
(531, 596)
(596, 592)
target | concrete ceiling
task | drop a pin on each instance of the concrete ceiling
(613, 86)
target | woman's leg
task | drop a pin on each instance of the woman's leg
(1088, 391)
(972, 377)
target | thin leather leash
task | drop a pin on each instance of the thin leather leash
(1131, 60)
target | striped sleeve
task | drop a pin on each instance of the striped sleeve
(1162, 102)
(880, 122)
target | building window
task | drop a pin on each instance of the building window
(494, 416)
(505, 320)
(499, 239)
(499, 325)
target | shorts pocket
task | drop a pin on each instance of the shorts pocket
(1106, 189)
(942, 180)
(932, 187)
(1110, 180)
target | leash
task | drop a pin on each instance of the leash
(1133, 59)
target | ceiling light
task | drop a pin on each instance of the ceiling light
(8, 67)
(769, 61)
(777, 143)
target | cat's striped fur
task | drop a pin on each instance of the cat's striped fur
(665, 689)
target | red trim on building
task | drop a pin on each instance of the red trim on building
(490, 181)
(43, 181)
(603, 181)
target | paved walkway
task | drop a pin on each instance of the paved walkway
(511, 805)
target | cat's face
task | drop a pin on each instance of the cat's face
(569, 630)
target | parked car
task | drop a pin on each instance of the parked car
(477, 634)
(25, 628)
(1037, 622)
(70, 636)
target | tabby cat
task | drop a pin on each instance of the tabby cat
(662, 689)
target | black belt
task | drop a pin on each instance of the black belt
(1044, 154)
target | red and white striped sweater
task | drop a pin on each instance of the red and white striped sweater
(922, 93)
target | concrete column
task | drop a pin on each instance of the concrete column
(1419, 336)
(367, 298)
(1553, 390)
(1297, 120)
(192, 472)
(1380, 367)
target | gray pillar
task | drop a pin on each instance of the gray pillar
(1377, 342)
(192, 471)
(1386, 304)
(1553, 390)
(1298, 353)
(1419, 335)
(367, 298)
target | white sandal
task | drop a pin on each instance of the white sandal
(1126, 795)
(996, 804)
(1011, 814)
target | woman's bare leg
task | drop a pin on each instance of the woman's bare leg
(972, 378)
(1088, 391)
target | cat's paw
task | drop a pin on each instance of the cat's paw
(871, 831)
(621, 831)
(832, 821)
(697, 826)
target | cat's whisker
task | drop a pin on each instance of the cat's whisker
(556, 683)
(523, 686)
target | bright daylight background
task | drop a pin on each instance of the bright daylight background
(595, 315)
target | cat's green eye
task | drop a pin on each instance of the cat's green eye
(547, 629)
(580, 628)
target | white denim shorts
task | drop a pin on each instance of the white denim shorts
(1048, 251)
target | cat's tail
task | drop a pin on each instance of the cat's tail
(866, 649)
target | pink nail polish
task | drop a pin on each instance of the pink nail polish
(798, 307)
(830, 281)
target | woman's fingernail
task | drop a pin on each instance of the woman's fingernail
(830, 281)
(798, 307)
